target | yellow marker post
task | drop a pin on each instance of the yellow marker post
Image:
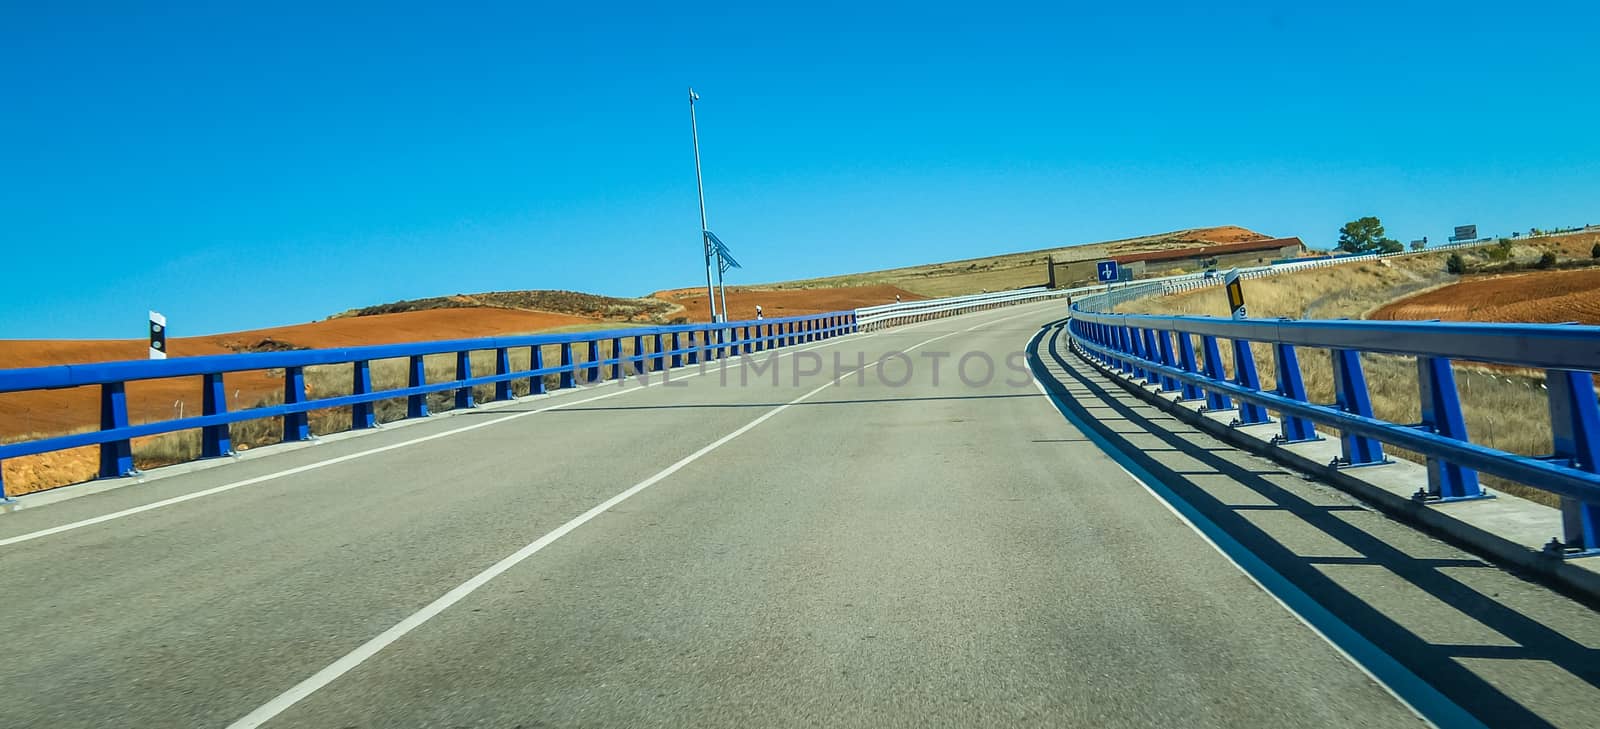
(1235, 288)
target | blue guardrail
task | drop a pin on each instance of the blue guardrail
(654, 349)
(1163, 351)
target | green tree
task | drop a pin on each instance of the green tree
(1547, 260)
(1595, 251)
(1365, 235)
(1454, 264)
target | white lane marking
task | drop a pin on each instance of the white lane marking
(1459, 716)
(101, 519)
(355, 658)
(289, 472)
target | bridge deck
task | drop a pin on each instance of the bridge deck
(853, 555)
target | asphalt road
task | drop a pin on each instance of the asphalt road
(737, 550)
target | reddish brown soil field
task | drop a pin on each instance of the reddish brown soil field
(26, 415)
(30, 415)
(56, 411)
(1225, 234)
(775, 303)
(1545, 296)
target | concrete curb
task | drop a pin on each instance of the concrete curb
(1388, 488)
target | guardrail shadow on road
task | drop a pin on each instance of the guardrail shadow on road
(1396, 632)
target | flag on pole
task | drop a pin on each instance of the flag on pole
(725, 258)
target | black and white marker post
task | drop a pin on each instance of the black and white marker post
(1244, 359)
(158, 336)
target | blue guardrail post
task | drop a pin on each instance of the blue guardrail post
(502, 367)
(463, 371)
(116, 457)
(1136, 348)
(417, 405)
(1292, 428)
(1441, 413)
(296, 426)
(362, 415)
(1245, 375)
(1350, 394)
(1215, 400)
(214, 439)
(1125, 347)
(1164, 352)
(1186, 362)
(1575, 425)
(569, 368)
(536, 362)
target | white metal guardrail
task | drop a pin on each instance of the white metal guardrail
(1190, 283)
(869, 318)
(888, 315)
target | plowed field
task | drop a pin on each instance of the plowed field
(1545, 296)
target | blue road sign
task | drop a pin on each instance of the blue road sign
(1107, 270)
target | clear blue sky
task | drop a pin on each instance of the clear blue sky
(239, 168)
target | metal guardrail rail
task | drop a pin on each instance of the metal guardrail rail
(1100, 295)
(887, 315)
(677, 344)
(1162, 350)
(654, 349)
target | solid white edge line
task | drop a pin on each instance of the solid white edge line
(351, 660)
(1303, 619)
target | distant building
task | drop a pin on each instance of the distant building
(1155, 263)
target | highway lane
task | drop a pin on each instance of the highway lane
(195, 613)
(889, 556)
(1476, 641)
(873, 554)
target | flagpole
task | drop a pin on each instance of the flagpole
(722, 287)
(694, 129)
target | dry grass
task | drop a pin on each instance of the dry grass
(1017, 270)
(1503, 410)
(1351, 290)
(562, 302)
(998, 273)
